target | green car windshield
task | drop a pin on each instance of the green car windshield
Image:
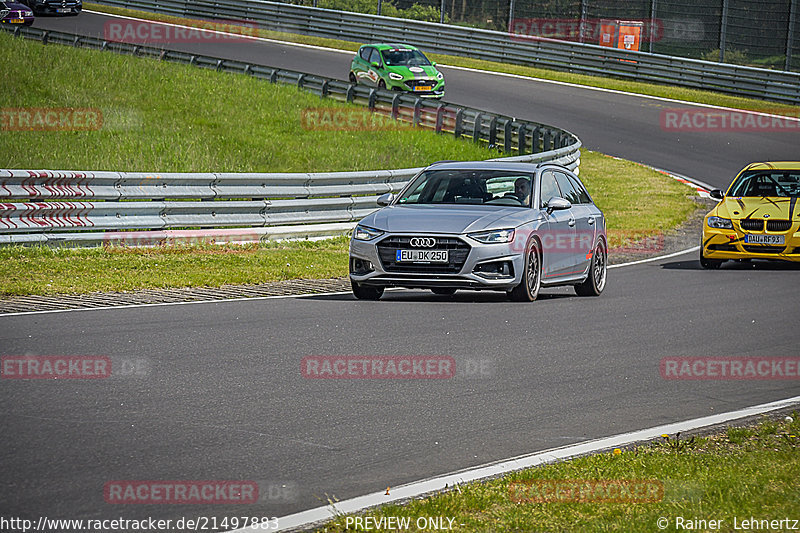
(404, 57)
(770, 183)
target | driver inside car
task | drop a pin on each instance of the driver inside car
(522, 191)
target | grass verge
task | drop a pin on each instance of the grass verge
(167, 117)
(740, 474)
(651, 89)
(636, 200)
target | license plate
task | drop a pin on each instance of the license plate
(423, 88)
(63, 10)
(760, 238)
(422, 256)
(17, 21)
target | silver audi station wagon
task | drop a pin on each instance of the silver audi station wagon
(513, 227)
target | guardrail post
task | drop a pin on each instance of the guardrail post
(219, 64)
(326, 88)
(439, 118)
(507, 135)
(417, 109)
(161, 56)
(492, 132)
(77, 41)
(523, 131)
(477, 127)
(395, 106)
(350, 93)
(547, 140)
(192, 60)
(373, 94)
(535, 139)
(300, 79)
(45, 37)
(723, 30)
(273, 76)
(790, 34)
(136, 51)
(459, 126)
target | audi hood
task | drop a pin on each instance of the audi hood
(445, 219)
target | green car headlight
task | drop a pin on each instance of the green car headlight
(395, 76)
(719, 223)
(439, 76)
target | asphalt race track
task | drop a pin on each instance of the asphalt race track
(215, 390)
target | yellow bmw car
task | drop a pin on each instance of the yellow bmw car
(757, 218)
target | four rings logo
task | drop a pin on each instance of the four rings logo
(422, 242)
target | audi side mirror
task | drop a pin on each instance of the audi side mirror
(716, 194)
(557, 204)
(385, 199)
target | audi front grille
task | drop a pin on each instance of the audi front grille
(457, 256)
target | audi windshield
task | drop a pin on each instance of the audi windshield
(476, 187)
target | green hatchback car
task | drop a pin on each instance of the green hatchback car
(399, 67)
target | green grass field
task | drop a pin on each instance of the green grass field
(740, 474)
(168, 117)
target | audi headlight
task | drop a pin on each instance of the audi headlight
(719, 223)
(364, 233)
(494, 236)
(395, 76)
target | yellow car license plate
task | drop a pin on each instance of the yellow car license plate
(422, 88)
(760, 238)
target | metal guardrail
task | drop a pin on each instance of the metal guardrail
(777, 85)
(44, 206)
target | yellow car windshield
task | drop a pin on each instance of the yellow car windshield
(767, 183)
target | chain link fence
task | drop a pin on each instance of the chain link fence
(759, 33)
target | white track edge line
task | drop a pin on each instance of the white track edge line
(467, 69)
(418, 488)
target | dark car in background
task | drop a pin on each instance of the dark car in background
(55, 7)
(14, 13)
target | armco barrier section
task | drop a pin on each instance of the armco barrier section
(90, 208)
(777, 85)
(85, 207)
